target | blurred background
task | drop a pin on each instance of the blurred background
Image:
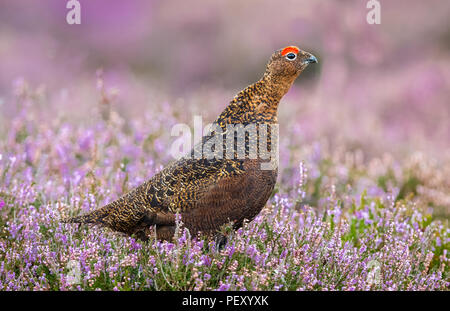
(389, 82)
(378, 92)
(372, 115)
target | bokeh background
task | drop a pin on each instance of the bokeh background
(388, 81)
(381, 91)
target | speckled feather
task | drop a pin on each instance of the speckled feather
(209, 193)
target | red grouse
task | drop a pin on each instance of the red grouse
(210, 192)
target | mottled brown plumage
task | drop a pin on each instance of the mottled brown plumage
(209, 193)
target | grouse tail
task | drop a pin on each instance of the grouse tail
(94, 217)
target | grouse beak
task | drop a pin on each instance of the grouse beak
(310, 59)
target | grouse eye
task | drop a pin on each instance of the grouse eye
(291, 56)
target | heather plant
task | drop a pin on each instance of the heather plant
(335, 224)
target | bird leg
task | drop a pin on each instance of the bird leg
(221, 240)
(165, 225)
(141, 235)
(165, 232)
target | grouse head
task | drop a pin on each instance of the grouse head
(288, 63)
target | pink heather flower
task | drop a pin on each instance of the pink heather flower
(2, 203)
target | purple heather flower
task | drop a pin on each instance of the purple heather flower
(223, 287)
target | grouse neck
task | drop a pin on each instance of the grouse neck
(276, 87)
(266, 95)
(257, 102)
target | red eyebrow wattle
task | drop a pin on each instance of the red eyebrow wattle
(288, 49)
